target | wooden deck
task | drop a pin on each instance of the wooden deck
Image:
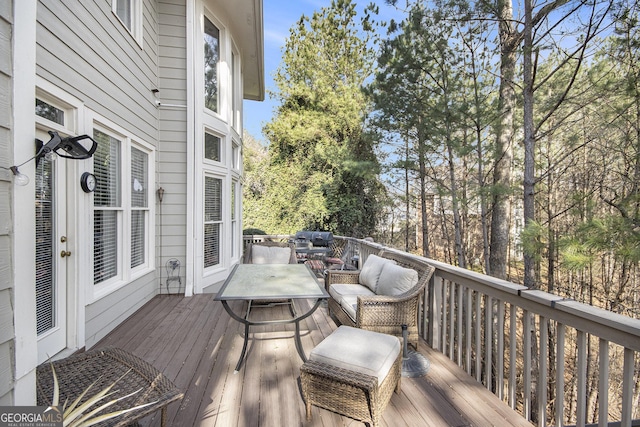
(196, 344)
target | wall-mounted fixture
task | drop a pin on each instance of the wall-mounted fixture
(71, 147)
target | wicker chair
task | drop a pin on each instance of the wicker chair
(251, 256)
(104, 366)
(382, 313)
(249, 251)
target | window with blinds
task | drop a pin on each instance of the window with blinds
(121, 208)
(107, 206)
(139, 206)
(234, 216)
(45, 267)
(212, 220)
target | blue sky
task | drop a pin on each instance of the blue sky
(279, 17)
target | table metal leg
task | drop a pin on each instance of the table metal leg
(244, 347)
(247, 323)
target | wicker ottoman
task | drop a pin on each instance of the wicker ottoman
(353, 372)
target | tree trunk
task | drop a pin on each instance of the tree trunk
(529, 142)
(423, 199)
(407, 195)
(500, 225)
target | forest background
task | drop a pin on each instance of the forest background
(499, 137)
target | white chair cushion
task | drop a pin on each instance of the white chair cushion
(395, 280)
(260, 254)
(358, 350)
(270, 255)
(340, 290)
(370, 272)
(349, 304)
(280, 255)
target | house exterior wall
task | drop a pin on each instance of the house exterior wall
(171, 214)
(6, 235)
(85, 51)
(141, 88)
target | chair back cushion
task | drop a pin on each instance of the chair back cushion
(370, 272)
(270, 255)
(395, 280)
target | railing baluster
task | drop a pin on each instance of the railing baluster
(500, 351)
(542, 379)
(603, 382)
(560, 340)
(627, 386)
(488, 338)
(478, 335)
(459, 315)
(513, 346)
(437, 313)
(445, 317)
(468, 334)
(452, 323)
(581, 405)
(526, 320)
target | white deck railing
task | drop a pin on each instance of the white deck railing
(520, 342)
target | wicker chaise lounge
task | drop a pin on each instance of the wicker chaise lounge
(104, 366)
(380, 300)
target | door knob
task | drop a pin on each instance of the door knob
(65, 253)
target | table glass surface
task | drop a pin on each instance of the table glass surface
(271, 281)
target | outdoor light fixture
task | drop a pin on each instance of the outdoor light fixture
(19, 178)
(72, 147)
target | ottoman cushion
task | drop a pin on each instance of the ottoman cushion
(358, 350)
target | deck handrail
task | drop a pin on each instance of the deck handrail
(471, 318)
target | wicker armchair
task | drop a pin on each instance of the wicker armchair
(383, 313)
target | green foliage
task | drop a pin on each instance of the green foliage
(599, 237)
(533, 239)
(321, 171)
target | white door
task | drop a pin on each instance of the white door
(52, 252)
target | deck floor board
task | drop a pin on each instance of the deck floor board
(197, 344)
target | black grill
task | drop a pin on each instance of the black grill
(316, 238)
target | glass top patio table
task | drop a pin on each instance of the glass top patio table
(271, 281)
(248, 282)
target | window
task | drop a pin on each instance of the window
(235, 156)
(212, 147)
(129, 12)
(107, 207)
(211, 59)
(49, 112)
(139, 206)
(235, 210)
(212, 220)
(121, 211)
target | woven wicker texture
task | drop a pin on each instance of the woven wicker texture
(381, 313)
(76, 373)
(348, 393)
